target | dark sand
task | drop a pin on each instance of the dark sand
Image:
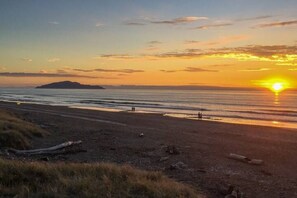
(204, 147)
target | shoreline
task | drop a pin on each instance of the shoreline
(228, 120)
(203, 147)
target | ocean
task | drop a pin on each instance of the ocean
(257, 107)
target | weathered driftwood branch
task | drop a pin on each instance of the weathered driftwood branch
(64, 148)
(245, 159)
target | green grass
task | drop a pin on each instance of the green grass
(15, 132)
(36, 179)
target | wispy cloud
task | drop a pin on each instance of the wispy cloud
(219, 41)
(169, 71)
(277, 24)
(27, 59)
(190, 69)
(154, 42)
(2, 68)
(255, 69)
(61, 71)
(134, 23)
(180, 20)
(53, 60)
(153, 45)
(254, 18)
(54, 22)
(287, 63)
(152, 48)
(127, 71)
(99, 24)
(175, 21)
(116, 56)
(218, 25)
(198, 69)
(43, 74)
(220, 65)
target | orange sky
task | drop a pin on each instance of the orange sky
(192, 43)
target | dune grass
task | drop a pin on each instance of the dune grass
(15, 132)
(36, 179)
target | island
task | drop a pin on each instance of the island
(68, 85)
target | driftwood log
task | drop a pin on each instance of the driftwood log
(245, 159)
(64, 148)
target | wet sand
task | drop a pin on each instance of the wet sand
(204, 147)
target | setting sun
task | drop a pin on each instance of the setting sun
(277, 87)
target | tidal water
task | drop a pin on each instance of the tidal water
(257, 107)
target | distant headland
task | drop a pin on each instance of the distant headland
(68, 85)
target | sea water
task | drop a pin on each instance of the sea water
(257, 107)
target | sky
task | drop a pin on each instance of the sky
(234, 43)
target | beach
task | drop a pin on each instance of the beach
(203, 147)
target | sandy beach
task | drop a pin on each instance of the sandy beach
(202, 146)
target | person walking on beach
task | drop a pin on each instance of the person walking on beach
(199, 115)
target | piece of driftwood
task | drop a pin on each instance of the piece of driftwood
(245, 159)
(64, 148)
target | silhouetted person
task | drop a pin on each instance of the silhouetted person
(199, 115)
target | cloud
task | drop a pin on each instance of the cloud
(205, 27)
(190, 69)
(180, 20)
(43, 71)
(152, 48)
(2, 68)
(154, 42)
(134, 23)
(53, 60)
(255, 69)
(277, 24)
(219, 41)
(127, 71)
(279, 54)
(27, 59)
(169, 71)
(61, 71)
(43, 74)
(54, 22)
(220, 65)
(197, 69)
(254, 18)
(287, 63)
(275, 53)
(115, 56)
(99, 24)
(153, 45)
(188, 42)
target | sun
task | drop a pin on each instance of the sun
(277, 87)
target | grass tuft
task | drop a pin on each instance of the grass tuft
(16, 133)
(36, 179)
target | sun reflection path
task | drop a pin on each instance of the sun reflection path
(276, 99)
